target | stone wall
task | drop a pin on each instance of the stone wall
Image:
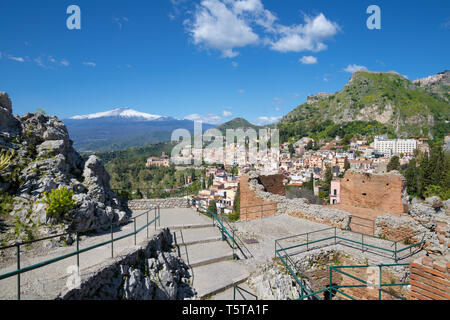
(153, 271)
(434, 222)
(147, 204)
(252, 206)
(430, 278)
(384, 192)
(254, 194)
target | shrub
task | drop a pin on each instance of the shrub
(59, 202)
(432, 190)
(5, 160)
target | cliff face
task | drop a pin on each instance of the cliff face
(44, 159)
(407, 108)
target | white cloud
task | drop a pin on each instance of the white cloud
(89, 64)
(65, 63)
(225, 25)
(352, 68)
(267, 120)
(308, 60)
(221, 27)
(210, 118)
(241, 91)
(227, 114)
(234, 64)
(307, 37)
(18, 59)
(277, 100)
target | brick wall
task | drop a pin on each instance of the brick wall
(382, 192)
(252, 206)
(430, 278)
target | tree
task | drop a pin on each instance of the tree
(411, 175)
(327, 181)
(291, 149)
(310, 145)
(212, 207)
(394, 164)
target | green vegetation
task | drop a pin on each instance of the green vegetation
(429, 175)
(6, 204)
(236, 215)
(237, 123)
(394, 164)
(407, 109)
(212, 207)
(5, 160)
(59, 202)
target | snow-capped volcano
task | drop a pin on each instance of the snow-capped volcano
(125, 113)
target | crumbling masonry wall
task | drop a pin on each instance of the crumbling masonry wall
(383, 192)
(253, 193)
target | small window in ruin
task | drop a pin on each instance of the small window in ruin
(387, 184)
(364, 194)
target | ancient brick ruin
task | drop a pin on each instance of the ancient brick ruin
(383, 192)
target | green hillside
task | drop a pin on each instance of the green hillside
(237, 123)
(388, 102)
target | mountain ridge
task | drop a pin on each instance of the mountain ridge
(385, 97)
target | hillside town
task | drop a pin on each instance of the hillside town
(300, 163)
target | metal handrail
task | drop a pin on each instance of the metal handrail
(221, 227)
(238, 239)
(239, 289)
(78, 251)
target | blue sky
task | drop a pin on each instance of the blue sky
(212, 59)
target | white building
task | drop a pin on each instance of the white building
(395, 147)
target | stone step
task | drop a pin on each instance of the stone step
(204, 262)
(205, 253)
(239, 295)
(196, 235)
(215, 278)
(186, 226)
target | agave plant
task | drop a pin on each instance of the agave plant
(5, 160)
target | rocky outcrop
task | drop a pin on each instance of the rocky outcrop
(153, 272)
(44, 160)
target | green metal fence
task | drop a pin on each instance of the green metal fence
(78, 251)
(333, 237)
(333, 289)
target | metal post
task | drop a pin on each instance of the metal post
(379, 288)
(134, 231)
(331, 283)
(395, 254)
(335, 236)
(112, 242)
(362, 242)
(233, 243)
(307, 242)
(18, 275)
(159, 216)
(156, 209)
(78, 253)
